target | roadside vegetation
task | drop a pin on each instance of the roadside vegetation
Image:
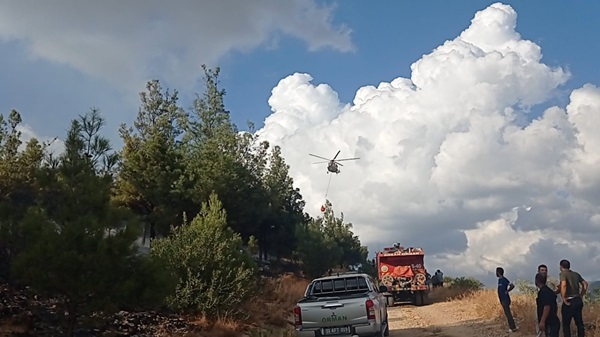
(218, 208)
(470, 292)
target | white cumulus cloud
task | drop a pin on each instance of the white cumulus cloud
(125, 42)
(450, 160)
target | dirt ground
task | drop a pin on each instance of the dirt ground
(445, 319)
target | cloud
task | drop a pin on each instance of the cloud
(450, 160)
(55, 145)
(126, 42)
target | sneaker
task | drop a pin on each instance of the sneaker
(512, 330)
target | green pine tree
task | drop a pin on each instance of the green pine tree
(216, 277)
(80, 247)
(152, 162)
(18, 187)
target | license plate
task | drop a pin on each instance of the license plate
(335, 331)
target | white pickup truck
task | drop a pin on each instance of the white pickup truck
(347, 304)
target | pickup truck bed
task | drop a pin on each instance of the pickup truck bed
(341, 306)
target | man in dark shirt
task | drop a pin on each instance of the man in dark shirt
(547, 308)
(572, 289)
(504, 287)
(542, 268)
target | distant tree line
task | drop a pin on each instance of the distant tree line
(187, 180)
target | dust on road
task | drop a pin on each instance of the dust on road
(444, 319)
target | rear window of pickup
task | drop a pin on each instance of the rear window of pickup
(339, 285)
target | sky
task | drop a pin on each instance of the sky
(474, 121)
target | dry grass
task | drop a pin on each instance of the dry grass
(523, 307)
(269, 315)
(278, 298)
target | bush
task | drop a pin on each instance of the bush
(526, 288)
(215, 276)
(147, 285)
(593, 296)
(465, 283)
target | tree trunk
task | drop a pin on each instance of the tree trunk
(71, 319)
(145, 233)
(152, 231)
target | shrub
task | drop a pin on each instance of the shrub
(526, 288)
(466, 283)
(593, 296)
(216, 277)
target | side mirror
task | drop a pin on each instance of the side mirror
(383, 289)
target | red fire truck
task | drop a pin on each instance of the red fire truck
(402, 271)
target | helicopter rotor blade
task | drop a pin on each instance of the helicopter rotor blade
(314, 155)
(337, 154)
(321, 162)
(338, 163)
(347, 159)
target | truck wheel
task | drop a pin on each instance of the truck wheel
(419, 299)
(386, 331)
(390, 301)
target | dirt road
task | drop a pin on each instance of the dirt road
(445, 319)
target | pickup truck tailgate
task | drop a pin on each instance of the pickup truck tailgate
(332, 312)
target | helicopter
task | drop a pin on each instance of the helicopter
(332, 165)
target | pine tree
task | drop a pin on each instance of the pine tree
(79, 245)
(217, 159)
(18, 185)
(285, 208)
(152, 162)
(352, 253)
(216, 277)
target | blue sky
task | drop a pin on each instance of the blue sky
(442, 165)
(391, 35)
(388, 37)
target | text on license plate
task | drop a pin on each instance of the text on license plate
(335, 331)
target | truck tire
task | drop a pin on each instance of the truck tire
(419, 299)
(386, 331)
(383, 331)
(390, 300)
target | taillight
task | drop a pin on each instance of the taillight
(297, 317)
(370, 309)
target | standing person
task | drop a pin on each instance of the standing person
(572, 289)
(441, 278)
(428, 279)
(547, 308)
(504, 287)
(436, 279)
(542, 268)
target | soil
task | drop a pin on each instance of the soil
(444, 319)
